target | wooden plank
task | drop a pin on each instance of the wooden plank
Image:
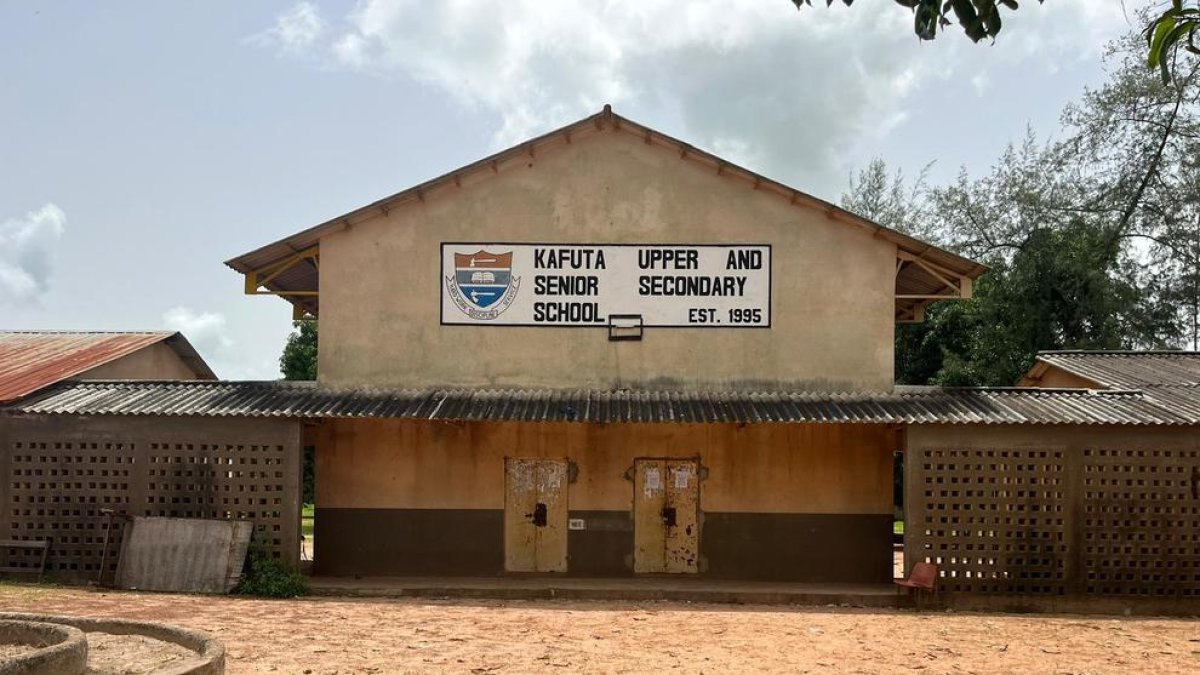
(682, 540)
(649, 534)
(38, 544)
(551, 548)
(520, 498)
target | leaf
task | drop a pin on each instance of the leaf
(969, 19)
(1160, 29)
(992, 20)
(925, 21)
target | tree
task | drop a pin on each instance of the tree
(1165, 33)
(1175, 28)
(1093, 240)
(884, 197)
(979, 18)
(299, 359)
(299, 362)
(1139, 140)
(1062, 289)
(1053, 221)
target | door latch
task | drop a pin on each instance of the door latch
(668, 516)
(539, 515)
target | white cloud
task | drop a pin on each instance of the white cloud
(789, 92)
(980, 83)
(207, 331)
(294, 32)
(27, 253)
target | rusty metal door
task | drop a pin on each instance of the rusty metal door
(666, 512)
(535, 515)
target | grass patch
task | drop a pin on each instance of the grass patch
(265, 577)
(306, 521)
(24, 589)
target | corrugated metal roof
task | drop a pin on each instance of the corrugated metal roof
(31, 360)
(1171, 378)
(905, 406)
(1130, 370)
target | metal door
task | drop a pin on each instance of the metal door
(535, 515)
(666, 510)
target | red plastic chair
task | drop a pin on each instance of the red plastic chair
(923, 578)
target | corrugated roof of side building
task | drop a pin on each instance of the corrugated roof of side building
(1130, 370)
(905, 406)
(33, 360)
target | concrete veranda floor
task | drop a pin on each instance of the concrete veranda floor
(677, 589)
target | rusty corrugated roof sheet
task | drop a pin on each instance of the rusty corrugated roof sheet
(32, 360)
(904, 406)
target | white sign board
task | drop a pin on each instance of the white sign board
(663, 285)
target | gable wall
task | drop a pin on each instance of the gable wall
(1057, 378)
(832, 283)
(155, 362)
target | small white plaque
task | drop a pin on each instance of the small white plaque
(576, 524)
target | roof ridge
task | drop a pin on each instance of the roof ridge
(308, 236)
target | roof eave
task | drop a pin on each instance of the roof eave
(967, 266)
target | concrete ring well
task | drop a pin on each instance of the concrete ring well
(58, 649)
(210, 654)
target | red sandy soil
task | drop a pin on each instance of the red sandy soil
(343, 636)
(131, 654)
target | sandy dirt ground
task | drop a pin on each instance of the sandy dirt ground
(9, 651)
(343, 636)
(131, 654)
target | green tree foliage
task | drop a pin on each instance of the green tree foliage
(886, 197)
(299, 362)
(299, 359)
(979, 19)
(1061, 290)
(1167, 33)
(1093, 240)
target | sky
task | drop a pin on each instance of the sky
(144, 143)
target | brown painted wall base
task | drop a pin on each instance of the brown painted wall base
(400, 542)
(470, 542)
(798, 547)
(605, 548)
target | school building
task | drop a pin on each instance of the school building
(607, 353)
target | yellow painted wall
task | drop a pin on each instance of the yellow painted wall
(155, 362)
(764, 468)
(833, 283)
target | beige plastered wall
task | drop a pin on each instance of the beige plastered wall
(833, 282)
(1057, 378)
(154, 362)
(764, 468)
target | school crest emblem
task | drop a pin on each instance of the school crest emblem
(483, 286)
